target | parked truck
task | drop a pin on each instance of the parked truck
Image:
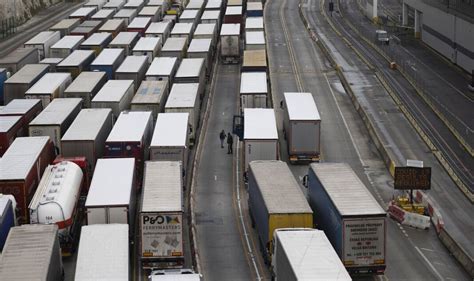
(106, 258)
(32, 252)
(302, 127)
(350, 216)
(10, 128)
(275, 201)
(116, 95)
(16, 86)
(49, 87)
(86, 86)
(133, 68)
(230, 45)
(184, 98)
(18, 58)
(56, 201)
(305, 254)
(108, 60)
(26, 109)
(161, 215)
(7, 217)
(151, 96)
(43, 41)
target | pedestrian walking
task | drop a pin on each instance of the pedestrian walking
(222, 138)
(230, 142)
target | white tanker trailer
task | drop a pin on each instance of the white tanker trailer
(56, 202)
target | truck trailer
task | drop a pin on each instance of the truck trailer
(116, 95)
(26, 109)
(108, 60)
(49, 87)
(230, 43)
(253, 90)
(7, 217)
(76, 62)
(43, 41)
(18, 58)
(151, 96)
(350, 216)
(86, 86)
(170, 140)
(133, 68)
(16, 86)
(10, 128)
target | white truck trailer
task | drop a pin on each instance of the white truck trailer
(230, 46)
(253, 90)
(302, 127)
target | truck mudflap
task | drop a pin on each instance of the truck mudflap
(378, 269)
(304, 158)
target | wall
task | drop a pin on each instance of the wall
(25, 9)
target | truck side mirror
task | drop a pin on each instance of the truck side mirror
(305, 181)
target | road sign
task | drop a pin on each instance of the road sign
(412, 178)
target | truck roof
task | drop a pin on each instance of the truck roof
(158, 27)
(132, 64)
(195, 4)
(282, 194)
(183, 95)
(254, 38)
(162, 66)
(103, 14)
(213, 4)
(111, 24)
(112, 183)
(162, 187)
(147, 44)
(182, 28)
(65, 23)
(28, 252)
(189, 13)
(254, 22)
(311, 255)
(174, 44)
(260, 123)
(150, 92)
(42, 37)
(108, 56)
(85, 82)
(255, 58)
(253, 83)
(113, 91)
(124, 38)
(126, 13)
(87, 124)
(166, 130)
(347, 192)
(190, 67)
(233, 10)
(210, 14)
(28, 73)
(230, 29)
(149, 11)
(68, 42)
(48, 83)
(205, 29)
(19, 106)
(130, 126)
(103, 259)
(139, 22)
(56, 112)
(301, 106)
(76, 58)
(199, 45)
(7, 122)
(82, 12)
(97, 39)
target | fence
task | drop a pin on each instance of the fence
(7, 27)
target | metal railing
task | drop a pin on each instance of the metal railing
(7, 27)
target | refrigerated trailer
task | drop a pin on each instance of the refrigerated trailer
(32, 252)
(185, 98)
(153, 12)
(116, 95)
(125, 40)
(130, 137)
(201, 48)
(253, 90)
(260, 135)
(183, 30)
(108, 60)
(21, 168)
(212, 16)
(139, 24)
(350, 216)
(65, 46)
(87, 28)
(302, 127)
(114, 4)
(192, 70)
(126, 14)
(175, 47)
(18, 58)
(26, 109)
(56, 201)
(147, 46)
(255, 40)
(161, 215)
(151, 96)
(16, 86)
(254, 9)
(10, 128)
(254, 24)
(111, 197)
(233, 14)
(103, 259)
(83, 13)
(163, 69)
(86, 86)
(133, 68)
(305, 254)
(160, 29)
(113, 26)
(65, 26)
(43, 41)
(190, 16)
(76, 62)
(230, 43)
(87, 134)
(49, 87)
(206, 31)
(170, 140)
(255, 61)
(55, 119)
(103, 15)
(275, 201)
(97, 42)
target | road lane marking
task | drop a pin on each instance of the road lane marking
(429, 263)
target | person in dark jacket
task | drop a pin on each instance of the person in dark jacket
(230, 142)
(222, 138)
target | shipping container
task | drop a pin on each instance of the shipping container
(65, 26)
(253, 90)
(65, 46)
(153, 12)
(255, 40)
(349, 215)
(139, 24)
(254, 9)
(103, 259)
(151, 96)
(49, 87)
(111, 197)
(260, 135)
(163, 68)
(87, 134)
(116, 95)
(7, 217)
(56, 201)
(233, 14)
(170, 141)
(207, 31)
(76, 62)
(135, 4)
(108, 61)
(86, 86)
(212, 16)
(230, 43)
(305, 254)
(11, 127)
(126, 14)
(97, 42)
(16, 86)
(55, 119)
(83, 13)
(255, 61)
(21, 168)
(147, 46)
(130, 137)
(160, 29)
(114, 4)
(113, 26)
(302, 127)
(32, 252)
(175, 47)
(52, 63)
(18, 58)
(125, 40)
(161, 215)
(184, 98)
(97, 4)
(43, 41)
(28, 109)
(275, 201)
(133, 68)
(192, 70)
(201, 48)
(103, 15)
(254, 24)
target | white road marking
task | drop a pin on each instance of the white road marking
(429, 263)
(426, 249)
(215, 177)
